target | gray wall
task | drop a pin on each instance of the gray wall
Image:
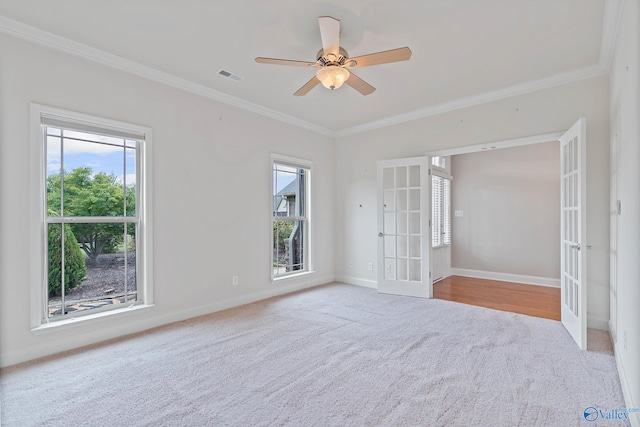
(510, 200)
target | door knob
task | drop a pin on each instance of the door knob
(380, 235)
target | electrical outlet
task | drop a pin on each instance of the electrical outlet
(234, 280)
(350, 264)
(370, 266)
(624, 340)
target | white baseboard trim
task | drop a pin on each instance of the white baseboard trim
(350, 280)
(595, 323)
(507, 277)
(144, 320)
(630, 400)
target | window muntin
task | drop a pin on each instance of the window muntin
(92, 221)
(441, 211)
(290, 219)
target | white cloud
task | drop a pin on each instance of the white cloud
(131, 178)
(82, 147)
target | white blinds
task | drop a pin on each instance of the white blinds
(436, 211)
(441, 211)
(446, 212)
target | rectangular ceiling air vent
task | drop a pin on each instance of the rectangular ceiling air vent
(230, 75)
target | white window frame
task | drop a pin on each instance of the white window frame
(308, 229)
(40, 321)
(439, 162)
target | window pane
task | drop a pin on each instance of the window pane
(129, 181)
(288, 246)
(288, 184)
(414, 176)
(436, 211)
(65, 264)
(87, 136)
(415, 270)
(401, 177)
(402, 269)
(93, 280)
(414, 223)
(93, 179)
(446, 212)
(414, 199)
(390, 268)
(54, 190)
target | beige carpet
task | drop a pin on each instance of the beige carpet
(336, 355)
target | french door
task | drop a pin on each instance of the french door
(404, 232)
(573, 229)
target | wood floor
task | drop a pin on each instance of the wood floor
(539, 301)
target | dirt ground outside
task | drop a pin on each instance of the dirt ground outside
(104, 278)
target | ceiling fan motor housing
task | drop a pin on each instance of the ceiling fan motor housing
(332, 59)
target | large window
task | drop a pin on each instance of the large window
(441, 211)
(95, 229)
(290, 216)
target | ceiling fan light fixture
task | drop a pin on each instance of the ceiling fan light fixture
(332, 76)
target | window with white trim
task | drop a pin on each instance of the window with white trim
(95, 228)
(290, 219)
(439, 161)
(440, 211)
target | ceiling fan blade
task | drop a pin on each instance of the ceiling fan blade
(307, 86)
(330, 34)
(276, 61)
(393, 55)
(360, 85)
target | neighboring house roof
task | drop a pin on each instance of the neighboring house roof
(282, 206)
(289, 190)
(280, 199)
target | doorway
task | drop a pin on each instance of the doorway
(572, 224)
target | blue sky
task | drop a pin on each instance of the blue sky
(100, 154)
(282, 177)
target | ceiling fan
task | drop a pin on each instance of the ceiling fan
(333, 62)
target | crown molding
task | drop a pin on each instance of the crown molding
(507, 143)
(610, 26)
(611, 21)
(508, 92)
(45, 38)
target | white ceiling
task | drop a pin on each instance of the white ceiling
(464, 51)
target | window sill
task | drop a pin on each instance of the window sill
(291, 276)
(59, 325)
